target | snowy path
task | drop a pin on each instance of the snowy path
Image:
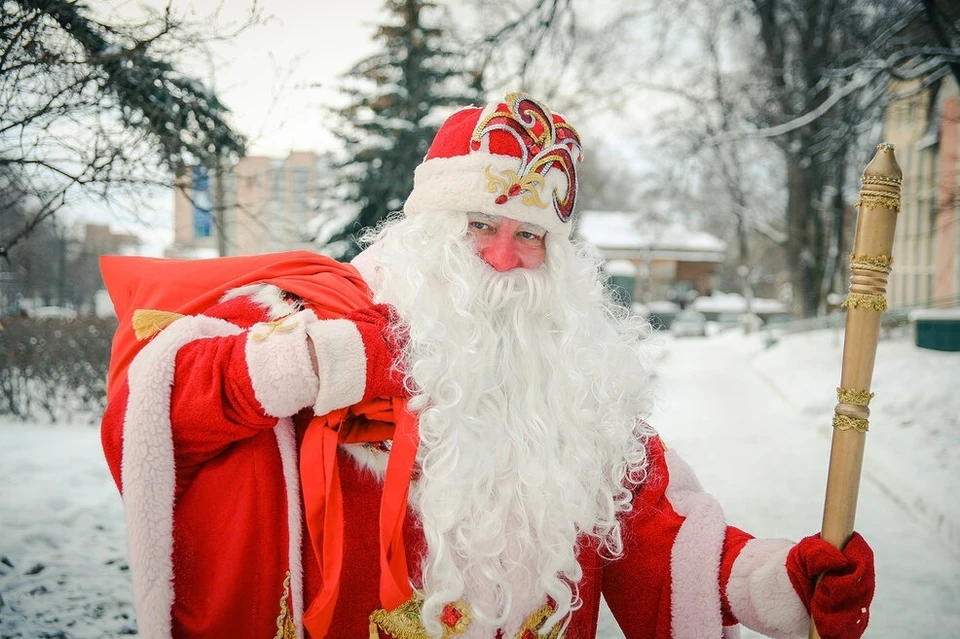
(63, 550)
(766, 463)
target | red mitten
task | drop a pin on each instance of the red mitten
(382, 349)
(840, 602)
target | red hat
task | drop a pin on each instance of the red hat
(513, 158)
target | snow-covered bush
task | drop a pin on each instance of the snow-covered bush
(54, 369)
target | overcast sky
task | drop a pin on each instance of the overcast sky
(275, 76)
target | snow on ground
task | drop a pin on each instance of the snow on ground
(753, 421)
(63, 554)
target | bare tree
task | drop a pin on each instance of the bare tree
(576, 55)
(100, 110)
(805, 79)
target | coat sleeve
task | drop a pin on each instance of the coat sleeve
(210, 381)
(685, 573)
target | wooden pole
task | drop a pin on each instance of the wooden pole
(869, 268)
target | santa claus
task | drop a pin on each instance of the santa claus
(445, 438)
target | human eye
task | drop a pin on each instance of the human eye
(530, 236)
(480, 225)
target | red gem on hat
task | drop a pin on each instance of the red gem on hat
(501, 199)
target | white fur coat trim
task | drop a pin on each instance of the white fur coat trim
(695, 557)
(460, 184)
(287, 442)
(759, 575)
(278, 359)
(147, 470)
(267, 296)
(342, 364)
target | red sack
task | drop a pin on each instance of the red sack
(188, 287)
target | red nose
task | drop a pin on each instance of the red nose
(501, 253)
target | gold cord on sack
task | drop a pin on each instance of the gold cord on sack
(147, 322)
(276, 326)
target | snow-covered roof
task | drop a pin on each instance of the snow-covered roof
(620, 268)
(721, 302)
(952, 314)
(633, 230)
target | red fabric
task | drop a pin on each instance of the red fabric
(216, 595)
(212, 401)
(394, 583)
(453, 138)
(840, 602)
(190, 287)
(637, 587)
(736, 540)
(359, 584)
(324, 509)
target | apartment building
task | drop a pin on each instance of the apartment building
(267, 203)
(923, 122)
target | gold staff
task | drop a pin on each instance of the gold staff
(869, 267)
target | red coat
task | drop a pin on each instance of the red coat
(203, 442)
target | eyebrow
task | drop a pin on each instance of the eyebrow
(493, 219)
(483, 217)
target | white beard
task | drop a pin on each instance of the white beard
(531, 394)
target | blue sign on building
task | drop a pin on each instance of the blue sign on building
(202, 203)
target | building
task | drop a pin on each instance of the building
(923, 122)
(650, 260)
(58, 271)
(267, 206)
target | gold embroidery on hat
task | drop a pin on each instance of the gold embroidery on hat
(555, 147)
(511, 184)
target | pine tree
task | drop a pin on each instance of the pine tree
(398, 98)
